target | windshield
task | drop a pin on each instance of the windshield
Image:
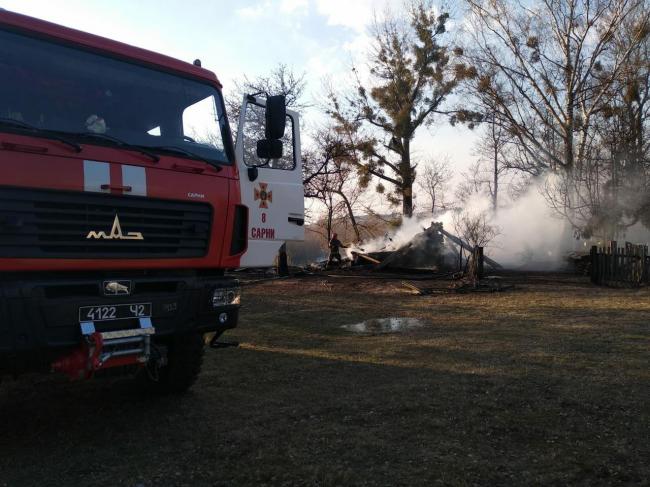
(70, 91)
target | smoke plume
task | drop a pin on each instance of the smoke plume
(529, 236)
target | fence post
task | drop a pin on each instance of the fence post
(600, 265)
(594, 264)
(613, 246)
(480, 262)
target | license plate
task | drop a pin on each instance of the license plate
(115, 312)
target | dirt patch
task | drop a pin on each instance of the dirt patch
(546, 384)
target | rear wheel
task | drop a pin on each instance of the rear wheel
(182, 367)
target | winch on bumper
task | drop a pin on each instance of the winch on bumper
(61, 321)
(106, 350)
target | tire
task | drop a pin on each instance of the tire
(184, 361)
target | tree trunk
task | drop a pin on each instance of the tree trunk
(569, 107)
(353, 220)
(568, 146)
(407, 180)
(330, 215)
(638, 148)
(407, 200)
(495, 192)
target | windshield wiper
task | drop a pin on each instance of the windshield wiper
(120, 143)
(185, 152)
(47, 133)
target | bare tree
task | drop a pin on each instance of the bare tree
(349, 192)
(320, 190)
(491, 151)
(624, 169)
(433, 181)
(544, 70)
(609, 193)
(475, 229)
(330, 179)
(472, 183)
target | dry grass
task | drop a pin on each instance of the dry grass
(548, 384)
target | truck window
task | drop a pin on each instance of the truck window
(72, 91)
(200, 124)
(254, 131)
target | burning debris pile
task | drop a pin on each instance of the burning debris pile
(426, 250)
(430, 254)
(433, 249)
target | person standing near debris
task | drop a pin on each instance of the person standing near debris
(335, 253)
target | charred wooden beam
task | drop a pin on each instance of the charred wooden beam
(359, 255)
(467, 247)
(394, 256)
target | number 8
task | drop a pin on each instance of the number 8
(263, 217)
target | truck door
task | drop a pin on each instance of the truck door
(271, 189)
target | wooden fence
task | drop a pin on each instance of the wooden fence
(620, 266)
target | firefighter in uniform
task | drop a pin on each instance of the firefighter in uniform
(335, 253)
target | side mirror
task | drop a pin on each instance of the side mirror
(276, 117)
(253, 172)
(269, 149)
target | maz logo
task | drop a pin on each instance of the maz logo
(116, 233)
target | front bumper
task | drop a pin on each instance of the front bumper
(39, 315)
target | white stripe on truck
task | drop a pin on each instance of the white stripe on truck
(96, 174)
(136, 178)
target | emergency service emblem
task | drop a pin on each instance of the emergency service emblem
(263, 195)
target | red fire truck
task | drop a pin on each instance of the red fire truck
(123, 201)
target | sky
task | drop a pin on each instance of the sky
(320, 38)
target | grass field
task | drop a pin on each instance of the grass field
(547, 384)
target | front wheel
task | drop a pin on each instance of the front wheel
(182, 367)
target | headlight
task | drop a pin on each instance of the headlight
(224, 296)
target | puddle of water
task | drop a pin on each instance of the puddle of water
(384, 325)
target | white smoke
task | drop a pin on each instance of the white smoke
(530, 236)
(409, 228)
(637, 233)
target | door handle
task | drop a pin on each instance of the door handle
(180, 167)
(298, 221)
(115, 187)
(24, 148)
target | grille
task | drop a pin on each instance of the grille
(55, 224)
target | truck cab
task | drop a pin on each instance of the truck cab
(124, 201)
